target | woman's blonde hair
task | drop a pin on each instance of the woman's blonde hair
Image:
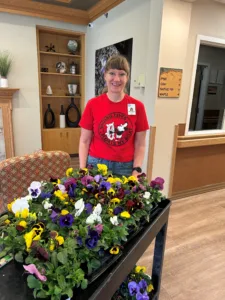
(118, 62)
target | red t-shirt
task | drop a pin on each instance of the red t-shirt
(113, 126)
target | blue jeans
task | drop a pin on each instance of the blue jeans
(117, 168)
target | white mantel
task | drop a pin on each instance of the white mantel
(6, 95)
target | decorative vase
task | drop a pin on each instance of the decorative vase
(61, 67)
(73, 68)
(3, 82)
(72, 89)
(62, 120)
(49, 118)
(49, 90)
(72, 46)
(71, 107)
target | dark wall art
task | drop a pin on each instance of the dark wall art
(102, 55)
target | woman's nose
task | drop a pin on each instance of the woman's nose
(116, 77)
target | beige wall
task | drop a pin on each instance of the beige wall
(18, 35)
(168, 112)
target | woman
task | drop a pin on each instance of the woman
(113, 125)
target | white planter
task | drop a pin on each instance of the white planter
(3, 82)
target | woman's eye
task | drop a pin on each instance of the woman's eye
(111, 73)
(122, 74)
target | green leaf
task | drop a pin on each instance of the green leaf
(62, 257)
(84, 284)
(54, 260)
(33, 282)
(3, 253)
(3, 219)
(61, 281)
(19, 256)
(69, 293)
(28, 260)
(95, 263)
(41, 295)
(57, 290)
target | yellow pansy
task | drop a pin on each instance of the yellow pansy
(58, 181)
(85, 190)
(23, 224)
(29, 238)
(7, 221)
(33, 216)
(132, 178)
(114, 180)
(52, 245)
(9, 206)
(115, 200)
(85, 170)
(64, 212)
(139, 269)
(150, 288)
(110, 211)
(114, 250)
(125, 180)
(60, 239)
(69, 172)
(24, 213)
(125, 214)
(111, 191)
(62, 196)
(102, 168)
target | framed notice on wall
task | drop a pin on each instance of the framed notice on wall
(169, 83)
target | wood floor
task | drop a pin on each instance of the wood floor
(194, 263)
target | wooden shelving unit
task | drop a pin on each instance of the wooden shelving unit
(65, 139)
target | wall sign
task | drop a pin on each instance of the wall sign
(170, 83)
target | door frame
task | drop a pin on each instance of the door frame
(209, 41)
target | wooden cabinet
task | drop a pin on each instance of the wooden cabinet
(61, 139)
(66, 139)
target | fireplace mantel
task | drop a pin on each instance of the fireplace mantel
(6, 95)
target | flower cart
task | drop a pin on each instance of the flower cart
(85, 234)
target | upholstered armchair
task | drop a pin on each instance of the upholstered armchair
(17, 173)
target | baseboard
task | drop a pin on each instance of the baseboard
(200, 190)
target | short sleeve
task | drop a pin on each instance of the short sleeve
(142, 120)
(86, 121)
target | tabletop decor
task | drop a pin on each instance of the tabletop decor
(5, 67)
(138, 285)
(66, 230)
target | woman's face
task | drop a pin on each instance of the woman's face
(116, 80)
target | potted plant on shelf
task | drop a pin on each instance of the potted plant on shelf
(5, 66)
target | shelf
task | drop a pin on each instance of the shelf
(60, 54)
(47, 96)
(59, 74)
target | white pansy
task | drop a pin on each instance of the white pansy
(98, 209)
(93, 218)
(20, 204)
(62, 188)
(47, 204)
(79, 206)
(34, 189)
(114, 220)
(146, 195)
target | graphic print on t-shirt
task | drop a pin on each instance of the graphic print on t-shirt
(115, 129)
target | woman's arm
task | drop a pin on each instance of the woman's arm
(139, 150)
(85, 140)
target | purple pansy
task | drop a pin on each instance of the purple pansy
(45, 195)
(157, 183)
(89, 208)
(66, 220)
(87, 179)
(140, 296)
(79, 241)
(54, 215)
(97, 178)
(133, 288)
(143, 284)
(70, 181)
(93, 240)
(71, 191)
(99, 228)
(117, 210)
(104, 185)
(127, 192)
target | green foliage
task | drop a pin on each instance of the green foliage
(5, 63)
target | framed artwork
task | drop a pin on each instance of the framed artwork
(170, 83)
(102, 55)
(2, 139)
(212, 90)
